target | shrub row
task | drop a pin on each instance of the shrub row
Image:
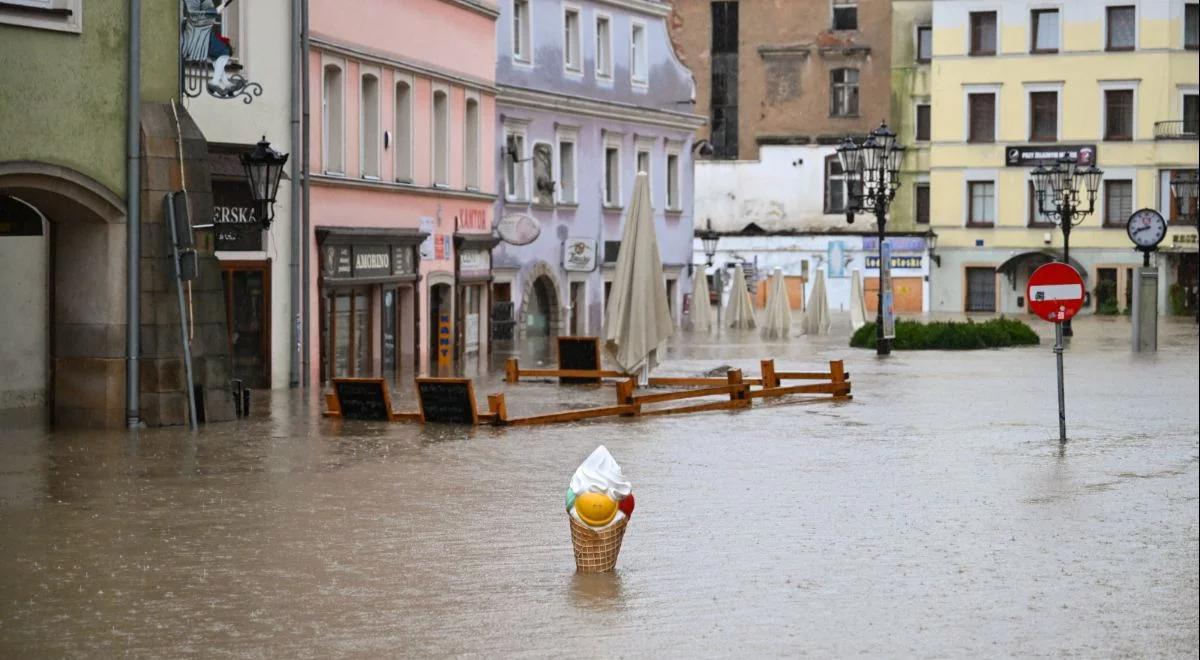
(951, 335)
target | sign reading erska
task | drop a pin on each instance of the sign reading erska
(235, 217)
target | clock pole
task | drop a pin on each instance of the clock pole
(1146, 229)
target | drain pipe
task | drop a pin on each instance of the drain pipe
(133, 223)
(297, 236)
(304, 167)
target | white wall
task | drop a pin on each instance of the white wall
(24, 302)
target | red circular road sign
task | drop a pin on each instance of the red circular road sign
(1055, 292)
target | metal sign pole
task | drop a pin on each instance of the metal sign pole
(1062, 406)
(168, 202)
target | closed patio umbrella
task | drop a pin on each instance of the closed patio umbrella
(816, 316)
(858, 304)
(739, 313)
(701, 307)
(637, 319)
(779, 313)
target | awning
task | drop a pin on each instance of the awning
(1033, 260)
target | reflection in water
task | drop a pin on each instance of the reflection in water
(930, 515)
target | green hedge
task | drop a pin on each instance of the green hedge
(951, 335)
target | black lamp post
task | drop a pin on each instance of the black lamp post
(1057, 189)
(872, 170)
(709, 239)
(1185, 188)
(263, 168)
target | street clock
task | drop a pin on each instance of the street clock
(1146, 229)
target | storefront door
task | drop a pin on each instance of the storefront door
(346, 329)
(247, 315)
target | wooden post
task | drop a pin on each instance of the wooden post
(498, 407)
(734, 377)
(768, 374)
(837, 372)
(625, 396)
(512, 370)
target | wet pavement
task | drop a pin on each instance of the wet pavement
(936, 514)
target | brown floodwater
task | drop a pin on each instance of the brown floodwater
(936, 514)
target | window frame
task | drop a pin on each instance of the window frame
(674, 183)
(917, 121)
(969, 218)
(566, 136)
(376, 75)
(1030, 119)
(59, 16)
(433, 135)
(611, 198)
(850, 89)
(1106, 86)
(968, 92)
(1031, 205)
(1108, 9)
(472, 163)
(917, 186)
(607, 72)
(917, 43)
(402, 162)
(828, 178)
(1194, 6)
(639, 59)
(1123, 177)
(971, 43)
(834, 6)
(573, 57)
(1034, 13)
(522, 33)
(519, 165)
(533, 192)
(326, 127)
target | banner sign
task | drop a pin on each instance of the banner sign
(895, 262)
(885, 282)
(1047, 154)
(474, 263)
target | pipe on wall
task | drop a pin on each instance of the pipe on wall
(305, 130)
(133, 225)
(298, 243)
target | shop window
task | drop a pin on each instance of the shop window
(843, 93)
(1106, 291)
(1044, 23)
(1120, 28)
(981, 290)
(471, 144)
(441, 138)
(404, 168)
(924, 43)
(1118, 202)
(1043, 116)
(981, 206)
(983, 33)
(347, 327)
(332, 121)
(981, 109)
(1118, 114)
(845, 15)
(369, 122)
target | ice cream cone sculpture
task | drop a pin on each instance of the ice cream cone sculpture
(599, 504)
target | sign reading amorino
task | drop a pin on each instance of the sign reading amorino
(1046, 154)
(235, 218)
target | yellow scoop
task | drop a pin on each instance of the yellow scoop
(595, 509)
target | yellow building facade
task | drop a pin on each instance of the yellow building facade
(1013, 81)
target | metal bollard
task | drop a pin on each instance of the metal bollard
(236, 385)
(246, 402)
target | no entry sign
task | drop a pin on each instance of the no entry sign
(1055, 292)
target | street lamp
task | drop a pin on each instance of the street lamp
(709, 239)
(872, 170)
(1057, 188)
(1185, 187)
(263, 168)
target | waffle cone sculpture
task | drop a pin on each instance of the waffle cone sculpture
(599, 504)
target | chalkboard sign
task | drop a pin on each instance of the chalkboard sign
(447, 400)
(363, 398)
(579, 353)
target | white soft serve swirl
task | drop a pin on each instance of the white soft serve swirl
(600, 474)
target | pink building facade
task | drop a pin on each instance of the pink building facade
(402, 185)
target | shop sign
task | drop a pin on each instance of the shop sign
(473, 219)
(404, 262)
(895, 262)
(474, 262)
(518, 229)
(579, 254)
(337, 262)
(428, 224)
(372, 261)
(1183, 239)
(897, 243)
(1043, 154)
(234, 218)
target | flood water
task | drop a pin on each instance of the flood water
(936, 514)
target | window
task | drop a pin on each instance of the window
(332, 121)
(441, 138)
(543, 174)
(673, 182)
(1043, 116)
(603, 47)
(1191, 114)
(1118, 202)
(571, 58)
(1044, 23)
(843, 93)
(1121, 28)
(924, 43)
(921, 201)
(637, 54)
(404, 170)
(520, 31)
(60, 15)
(835, 186)
(514, 167)
(723, 102)
(612, 176)
(471, 144)
(1191, 26)
(566, 172)
(981, 290)
(1173, 203)
(845, 15)
(922, 131)
(982, 120)
(981, 207)
(1036, 218)
(369, 128)
(983, 33)
(1118, 114)
(643, 161)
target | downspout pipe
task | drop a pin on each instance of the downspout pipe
(133, 224)
(297, 349)
(306, 131)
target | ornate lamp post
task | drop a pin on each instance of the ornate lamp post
(263, 168)
(872, 170)
(709, 239)
(1185, 187)
(1057, 188)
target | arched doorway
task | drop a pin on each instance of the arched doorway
(82, 290)
(24, 297)
(540, 309)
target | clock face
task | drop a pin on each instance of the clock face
(1146, 228)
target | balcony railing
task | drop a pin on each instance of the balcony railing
(1176, 129)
